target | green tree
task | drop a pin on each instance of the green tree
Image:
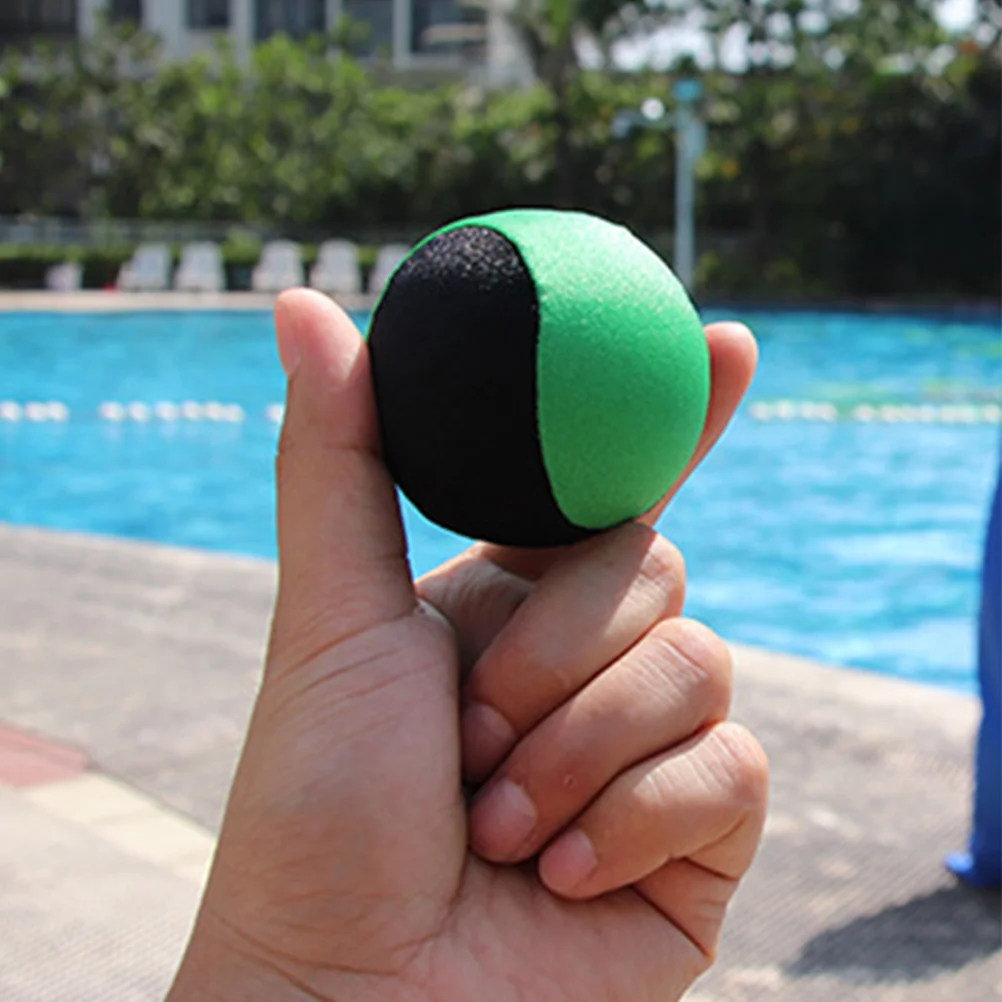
(60, 110)
(553, 33)
(865, 162)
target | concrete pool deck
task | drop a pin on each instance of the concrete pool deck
(127, 673)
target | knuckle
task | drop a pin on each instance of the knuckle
(507, 659)
(697, 653)
(745, 764)
(490, 596)
(478, 598)
(662, 566)
(651, 791)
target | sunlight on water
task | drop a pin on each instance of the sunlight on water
(856, 543)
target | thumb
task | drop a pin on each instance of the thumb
(342, 553)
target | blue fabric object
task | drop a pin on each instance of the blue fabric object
(981, 865)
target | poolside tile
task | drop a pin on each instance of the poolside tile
(28, 760)
(159, 836)
(89, 799)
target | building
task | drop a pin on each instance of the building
(468, 35)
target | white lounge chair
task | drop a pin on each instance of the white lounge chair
(336, 270)
(200, 269)
(387, 260)
(147, 271)
(65, 277)
(280, 267)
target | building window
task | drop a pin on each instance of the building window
(120, 11)
(296, 18)
(21, 18)
(441, 26)
(373, 21)
(204, 14)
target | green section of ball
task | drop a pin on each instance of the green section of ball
(623, 365)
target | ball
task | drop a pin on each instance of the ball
(540, 376)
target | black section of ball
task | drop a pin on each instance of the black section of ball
(453, 347)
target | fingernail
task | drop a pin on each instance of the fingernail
(502, 820)
(486, 738)
(288, 347)
(568, 862)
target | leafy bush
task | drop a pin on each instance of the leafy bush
(24, 267)
(850, 181)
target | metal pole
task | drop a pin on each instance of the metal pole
(686, 126)
(685, 250)
(401, 34)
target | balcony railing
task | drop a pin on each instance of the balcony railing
(22, 19)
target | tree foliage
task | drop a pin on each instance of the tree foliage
(859, 153)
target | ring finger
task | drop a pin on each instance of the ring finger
(704, 801)
(674, 682)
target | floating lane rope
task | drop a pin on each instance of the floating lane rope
(11, 411)
(806, 410)
(214, 411)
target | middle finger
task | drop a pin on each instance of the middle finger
(584, 614)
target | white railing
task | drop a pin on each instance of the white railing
(54, 231)
(115, 232)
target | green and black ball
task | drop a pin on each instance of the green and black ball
(540, 376)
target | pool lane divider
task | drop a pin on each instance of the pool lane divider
(135, 412)
(213, 411)
(820, 411)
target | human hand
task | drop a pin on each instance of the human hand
(344, 869)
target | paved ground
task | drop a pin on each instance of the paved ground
(147, 659)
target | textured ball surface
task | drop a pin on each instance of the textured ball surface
(540, 376)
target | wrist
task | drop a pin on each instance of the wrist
(222, 965)
(217, 967)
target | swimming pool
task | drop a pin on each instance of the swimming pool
(855, 540)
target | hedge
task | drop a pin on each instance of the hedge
(24, 266)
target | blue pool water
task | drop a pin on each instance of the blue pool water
(856, 543)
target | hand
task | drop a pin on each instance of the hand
(594, 732)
